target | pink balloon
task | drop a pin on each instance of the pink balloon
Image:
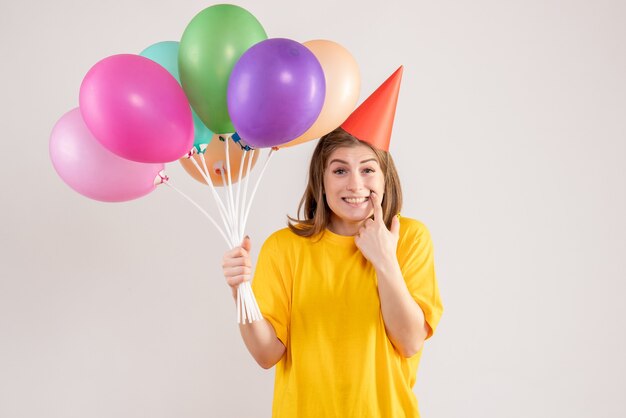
(136, 109)
(93, 171)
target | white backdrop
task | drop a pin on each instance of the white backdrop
(510, 139)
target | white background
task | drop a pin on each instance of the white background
(510, 139)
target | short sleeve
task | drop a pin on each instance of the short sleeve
(416, 259)
(271, 289)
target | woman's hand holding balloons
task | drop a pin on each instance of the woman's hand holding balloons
(237, 265)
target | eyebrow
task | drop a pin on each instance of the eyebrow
(336, 160)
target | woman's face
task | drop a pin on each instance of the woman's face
(352, 173)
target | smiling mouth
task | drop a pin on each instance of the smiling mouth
(355, 200)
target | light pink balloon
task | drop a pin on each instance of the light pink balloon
(92, 170)
(136, 109)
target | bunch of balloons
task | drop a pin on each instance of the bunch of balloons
(134, 116)
(224, 82)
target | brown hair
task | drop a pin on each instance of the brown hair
(315, 221)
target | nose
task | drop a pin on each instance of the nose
(355, 182)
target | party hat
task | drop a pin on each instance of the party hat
(372, 121)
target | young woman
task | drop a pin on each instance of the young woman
(348, 292)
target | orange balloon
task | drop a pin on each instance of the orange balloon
(215, 158)
(343, 84)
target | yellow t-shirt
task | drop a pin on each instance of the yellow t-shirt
(321, 298)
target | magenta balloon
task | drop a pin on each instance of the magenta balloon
(136, 109)
(275, 92)
(92, 170)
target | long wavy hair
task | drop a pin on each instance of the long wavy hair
(313, 215)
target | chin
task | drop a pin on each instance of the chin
(355, 218)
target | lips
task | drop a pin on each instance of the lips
(355, 200)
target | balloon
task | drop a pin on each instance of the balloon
(166, 54)
(136, 109)
(92, 170)
(211, 45)
(201, 134)
(343, 83)
(215, 158)
(275, 92)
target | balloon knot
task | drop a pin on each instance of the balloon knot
(200, 148)
(191, 152)
(161, 178)
(237, 140)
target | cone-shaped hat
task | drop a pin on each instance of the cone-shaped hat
(372, 121)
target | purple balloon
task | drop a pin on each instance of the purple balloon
(136, 109)
(275, 92)
(92, 170)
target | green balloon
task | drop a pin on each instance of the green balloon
(212, 43)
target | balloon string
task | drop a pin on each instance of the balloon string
(230, 190)
(240, 230)
(209, 182)
(256, 186)
(250, 308)
(239, 304)
(209, 217)
(230, 209)
(245, 192)
(245, 303)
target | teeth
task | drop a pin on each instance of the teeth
(355, 200)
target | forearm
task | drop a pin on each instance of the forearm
(261, 341)
(403, 317)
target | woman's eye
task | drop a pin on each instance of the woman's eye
(339, 171)
(369, 170)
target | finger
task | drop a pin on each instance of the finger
(235, 253)
(236, 262)
(237, 280)
(246, 243)
(237, 271)
(368, 222)
(378, 207)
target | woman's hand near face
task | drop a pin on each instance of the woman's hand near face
(237, 265)
(377, 243)
(404, 319)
